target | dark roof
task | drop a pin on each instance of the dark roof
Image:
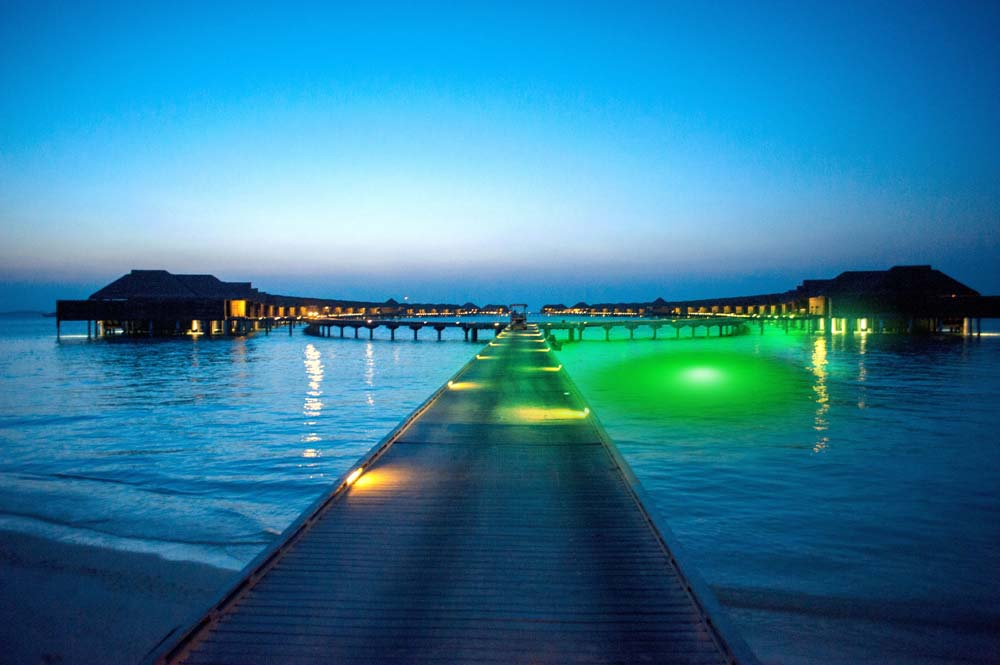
(160, 284)
(901, 280)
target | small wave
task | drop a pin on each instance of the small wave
(44, 420)
(168, 491)
(261, 537)
(136, 452)
(916, 613)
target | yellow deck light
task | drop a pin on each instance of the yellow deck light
(354, 476)
(464, 385)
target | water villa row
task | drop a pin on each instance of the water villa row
(901, 299)
(905, 299)
(160, 303)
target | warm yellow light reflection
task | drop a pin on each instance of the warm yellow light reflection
(464, 385)
(353, 477)
(549, 369)
(822, 423)
(313, 405)
(382, 477)
(540, 414)
(482, 357)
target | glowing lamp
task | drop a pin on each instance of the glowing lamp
(354, 476)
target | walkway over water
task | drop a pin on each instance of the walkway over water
(496, 525)
(323, 327)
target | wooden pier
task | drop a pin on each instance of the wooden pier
(574, 330)
(497, 524)
(323, 327)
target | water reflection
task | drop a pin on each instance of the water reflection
(370, 373)
(313, 405)
(862, 373)
(819, 369)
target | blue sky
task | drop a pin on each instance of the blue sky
(494, 152)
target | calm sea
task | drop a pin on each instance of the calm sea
(841, 495)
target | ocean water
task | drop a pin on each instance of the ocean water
(839, 494)
(195, 449)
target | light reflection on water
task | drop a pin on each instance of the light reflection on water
(843, 503)
(201, 448)
(857, 523)
(819, 363)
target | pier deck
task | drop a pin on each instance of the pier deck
(497, 525)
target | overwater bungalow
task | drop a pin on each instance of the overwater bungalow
(902, 298)
(160, 303)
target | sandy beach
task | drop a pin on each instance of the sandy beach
(65, 603)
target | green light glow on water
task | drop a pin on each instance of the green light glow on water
(693, 384)
(703, 375)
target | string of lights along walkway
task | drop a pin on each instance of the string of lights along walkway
(497, 524)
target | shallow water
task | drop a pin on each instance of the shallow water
(200, 449)
(840, 495)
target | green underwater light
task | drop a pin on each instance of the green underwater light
(686, 385)
(704, 375)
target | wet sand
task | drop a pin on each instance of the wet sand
(66, 603)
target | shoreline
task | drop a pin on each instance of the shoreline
(69, 603)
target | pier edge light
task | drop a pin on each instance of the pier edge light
(354, 476)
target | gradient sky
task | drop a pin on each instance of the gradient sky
(581, 151)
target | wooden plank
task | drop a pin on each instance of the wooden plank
(496, 525)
